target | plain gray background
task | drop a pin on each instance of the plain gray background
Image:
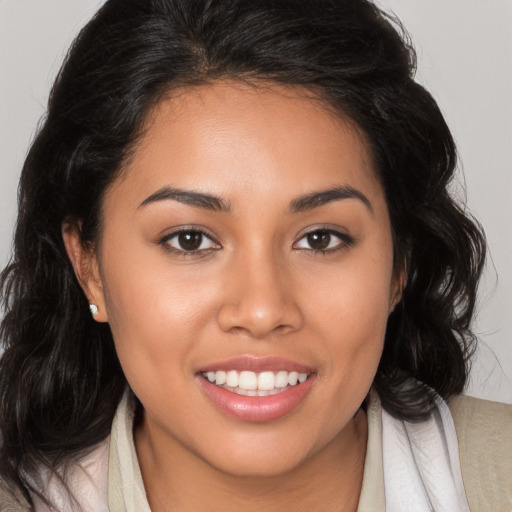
(464, 53)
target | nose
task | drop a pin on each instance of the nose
(259, 299)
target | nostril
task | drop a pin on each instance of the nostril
(241, 319)
(259, 297)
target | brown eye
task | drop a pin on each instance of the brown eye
(189, 241)
(319, 240)
(324, 240)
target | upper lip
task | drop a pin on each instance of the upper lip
(256, 364)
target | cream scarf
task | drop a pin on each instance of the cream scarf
(421, 464)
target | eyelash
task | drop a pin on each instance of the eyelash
(345, 241)
(164, 242)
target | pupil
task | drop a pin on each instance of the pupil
(319, 240)
(190, 240)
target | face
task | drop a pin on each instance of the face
(246, 250)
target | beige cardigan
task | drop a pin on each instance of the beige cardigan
(484, 431)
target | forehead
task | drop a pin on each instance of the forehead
(229, 137)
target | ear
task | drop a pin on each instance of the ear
(400, 277)
(85, 264)
(397, 289)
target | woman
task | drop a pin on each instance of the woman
(238, 270)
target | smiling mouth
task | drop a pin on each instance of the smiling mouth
(248, 383)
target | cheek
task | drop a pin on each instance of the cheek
(145, 289)
(355, 298)
(350, 314)
(155, 312)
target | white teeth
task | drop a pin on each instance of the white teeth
(232, 379)
(281, 379)
(293, 377)
(256, 384)
(248, 380)
(266, 381)
(220, 378)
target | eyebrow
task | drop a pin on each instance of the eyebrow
(197, 199)
(217, 204)
(317, 199)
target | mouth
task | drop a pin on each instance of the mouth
(249, 383)
(256, 389)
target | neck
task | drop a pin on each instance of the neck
(328, 481)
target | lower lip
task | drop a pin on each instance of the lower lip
(256, 409)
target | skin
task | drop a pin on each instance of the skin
(256, 288)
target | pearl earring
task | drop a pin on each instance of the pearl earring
(94, 309)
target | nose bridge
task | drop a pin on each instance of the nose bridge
(259, 299)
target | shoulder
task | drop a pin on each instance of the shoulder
(471, 415)
(482, 424)
(484, 432)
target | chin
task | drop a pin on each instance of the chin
(257, 456)
(258, 467)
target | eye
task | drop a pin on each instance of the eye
(323, 240)
(189, 241)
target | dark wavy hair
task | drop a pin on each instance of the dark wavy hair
(60, 379)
